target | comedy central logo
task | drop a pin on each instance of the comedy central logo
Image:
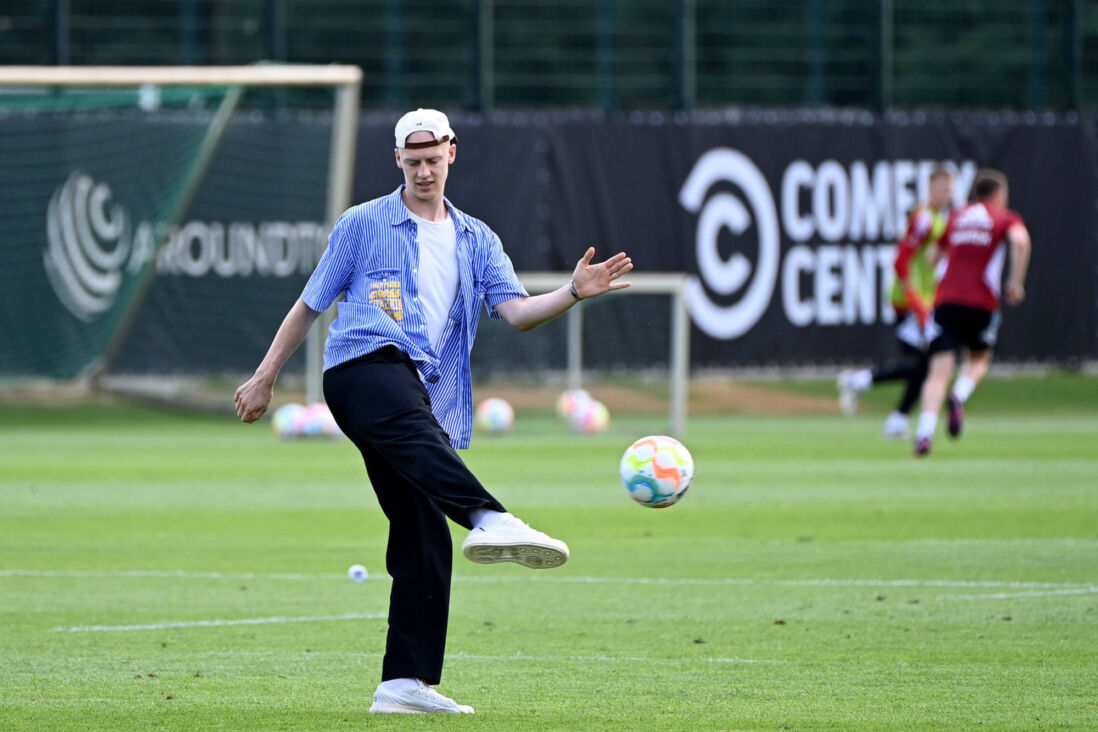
(729, 295)
(88, 247)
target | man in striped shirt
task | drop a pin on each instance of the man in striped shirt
(415, 271)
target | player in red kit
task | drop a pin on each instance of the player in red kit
(977, 241)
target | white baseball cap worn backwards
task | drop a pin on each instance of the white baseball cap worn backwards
(424, 120)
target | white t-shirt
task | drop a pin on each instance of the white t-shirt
(438, 274)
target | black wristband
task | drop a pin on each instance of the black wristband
(572, 289)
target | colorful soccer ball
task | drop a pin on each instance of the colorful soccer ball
(590, 416)
(657, 471)
(316, 421)
(331, 428)
(494, 415)
(287, 419)
(569, 400)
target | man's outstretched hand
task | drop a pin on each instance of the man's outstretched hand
(592, 280)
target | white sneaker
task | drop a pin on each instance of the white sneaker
(508, 539)
(421, 699)
(895, 427)
(849, 396)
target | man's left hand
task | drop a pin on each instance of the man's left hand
(592, 280)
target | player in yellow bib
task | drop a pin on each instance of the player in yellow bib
(912, 297)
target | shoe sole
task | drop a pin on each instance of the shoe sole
(379, 708)
(534, 556)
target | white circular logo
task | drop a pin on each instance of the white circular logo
(725, 211)
(88, 243)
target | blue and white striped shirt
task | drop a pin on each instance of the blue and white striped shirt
(373, 256)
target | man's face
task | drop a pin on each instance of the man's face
(425, 169)
(941, 191)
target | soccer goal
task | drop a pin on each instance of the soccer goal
(634, 343)
(160, 219)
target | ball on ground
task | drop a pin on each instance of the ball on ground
(657, 471)
(568, 400)
(590, 417)
(494, 415)
(287, 419)
(357, 573)
(317, 417)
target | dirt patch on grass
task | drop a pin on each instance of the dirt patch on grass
(707, 396)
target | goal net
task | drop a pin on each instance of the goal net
(160, 220)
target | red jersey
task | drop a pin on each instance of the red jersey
(975, 240)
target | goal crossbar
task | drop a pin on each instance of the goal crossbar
(253, 75)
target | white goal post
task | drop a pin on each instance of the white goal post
(344, 80)
(672, 284)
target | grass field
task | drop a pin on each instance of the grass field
(171, 571)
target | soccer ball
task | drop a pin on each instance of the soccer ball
(317, 417)
(657, 471)
(569, 400)
(287, 419)
(590, 416)
(291, 421)
(494, 415)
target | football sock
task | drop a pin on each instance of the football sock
(398, 685)
(927, 422)
(482, 518)
(896, 422)
(962, 388)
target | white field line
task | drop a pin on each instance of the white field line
(805, 582)
(165, 573)
(1020, 595)
(669, 581)
(518, 657)
(216, 623)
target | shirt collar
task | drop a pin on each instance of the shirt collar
(399, 213)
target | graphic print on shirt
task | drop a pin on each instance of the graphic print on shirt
(385, 293)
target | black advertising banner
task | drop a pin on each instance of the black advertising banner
(785, 220)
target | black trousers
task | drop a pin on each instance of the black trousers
(380, 403)
(912, 369)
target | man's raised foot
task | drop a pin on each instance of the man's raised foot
(507, 539)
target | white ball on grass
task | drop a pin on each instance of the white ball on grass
(494, 415)
(590, 417)
(287, 420)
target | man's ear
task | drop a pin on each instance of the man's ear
(453, 152)
(396, 154)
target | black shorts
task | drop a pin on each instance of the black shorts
(957, 326)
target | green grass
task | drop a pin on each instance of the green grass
(816, 577)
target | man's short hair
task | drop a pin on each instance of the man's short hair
(940, 171)
(987, 182)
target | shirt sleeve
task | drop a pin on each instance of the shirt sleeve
(332, 275)
(1014, 218)
(917, 232)
(499, 279)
